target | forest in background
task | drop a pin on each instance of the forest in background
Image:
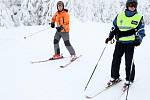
(39, 12)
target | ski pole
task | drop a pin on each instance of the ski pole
(95, 67)
(132, 64)
(35, 33)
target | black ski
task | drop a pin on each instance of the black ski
(106, 88)
(70, 62)
(51, 59)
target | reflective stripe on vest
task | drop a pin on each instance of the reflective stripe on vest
(127, 38)
(127, 23)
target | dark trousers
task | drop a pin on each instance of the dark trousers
(65, 37)
(128, 50)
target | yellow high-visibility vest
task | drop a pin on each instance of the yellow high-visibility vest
(125, 23)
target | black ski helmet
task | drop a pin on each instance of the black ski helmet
(131, 2)
(60, 3)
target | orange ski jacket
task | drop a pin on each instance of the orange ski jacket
(62, 19)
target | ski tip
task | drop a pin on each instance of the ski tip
(61, 66)
(25, 37)
(87, 97)
(31, 62)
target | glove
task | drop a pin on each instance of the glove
(59, 28)
(137, 41)
(52, 25)
(107, 40)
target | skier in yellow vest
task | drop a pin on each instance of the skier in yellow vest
(128, 29)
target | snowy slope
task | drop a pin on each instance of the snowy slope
(21, 80)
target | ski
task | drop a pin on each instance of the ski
(51, 59)
(70, 62)
(106, 88)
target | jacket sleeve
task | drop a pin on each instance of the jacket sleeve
(65, 23)
(54, 18)
(140, 29)
(66, 19)
(113, 29)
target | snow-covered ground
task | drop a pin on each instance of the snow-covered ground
(21, 80)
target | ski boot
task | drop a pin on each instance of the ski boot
(126, 85)
(73, 57)
(113, 82)
(56, 56)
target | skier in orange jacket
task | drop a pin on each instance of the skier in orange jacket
(61, 18)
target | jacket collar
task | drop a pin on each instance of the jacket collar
(129, 13)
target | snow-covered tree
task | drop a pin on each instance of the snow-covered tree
(38, 12)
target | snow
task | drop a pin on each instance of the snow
(21, 80)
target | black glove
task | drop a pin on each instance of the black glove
(137, 41)
(59, 28)
(107, 40)
(52, 25)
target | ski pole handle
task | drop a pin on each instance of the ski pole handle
(112, 41)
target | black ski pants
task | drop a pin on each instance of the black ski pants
(128, 50)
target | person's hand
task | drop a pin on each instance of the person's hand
(59, 28)
(137, 41)
(107, 40)
(52, 25)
